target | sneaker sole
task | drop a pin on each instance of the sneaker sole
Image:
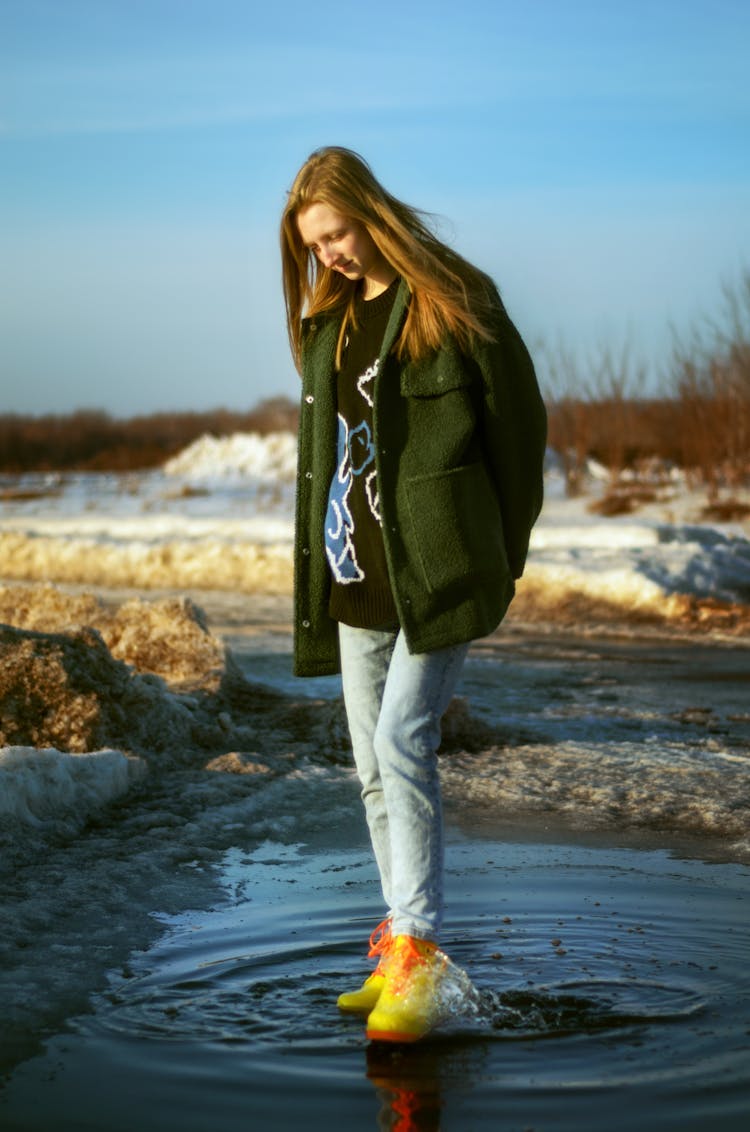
(394, 1036)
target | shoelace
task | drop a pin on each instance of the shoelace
(381, 940)
(403, 959)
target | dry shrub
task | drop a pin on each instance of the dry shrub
(599, 410)
(598, 413)
(711, 375)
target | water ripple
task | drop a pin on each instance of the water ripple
(577, 973)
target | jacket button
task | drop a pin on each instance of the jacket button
(305, 624)
(309, 398)
(305, 550)
(308, 475)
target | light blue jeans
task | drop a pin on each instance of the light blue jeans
(394, 704)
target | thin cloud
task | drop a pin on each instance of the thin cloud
(141, 92)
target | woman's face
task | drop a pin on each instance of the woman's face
(341, 244)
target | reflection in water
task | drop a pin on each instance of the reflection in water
(407, 1077)
(407, 1082)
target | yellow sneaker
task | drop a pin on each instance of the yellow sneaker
(362, 1001)
(409, 1003)
(365, 999)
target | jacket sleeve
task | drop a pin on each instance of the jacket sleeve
(514, 433)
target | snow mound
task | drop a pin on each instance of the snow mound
(64, 689)
(67, 691)
(79, 724)
(40, 786)
(168, 638)
(244, 455)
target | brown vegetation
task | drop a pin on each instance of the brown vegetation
(93, 441)
(703, 426)
(599, 411)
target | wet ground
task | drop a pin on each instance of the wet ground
(609, 958)
(612, 991)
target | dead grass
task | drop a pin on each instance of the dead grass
(680, 613)
(623, 499)
(726, 511)
(28, 494)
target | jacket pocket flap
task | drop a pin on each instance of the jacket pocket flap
(436, 374)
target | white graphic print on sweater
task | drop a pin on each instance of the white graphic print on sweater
(355, 455)
(367, 379)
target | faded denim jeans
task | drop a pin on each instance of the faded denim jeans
(394, 704)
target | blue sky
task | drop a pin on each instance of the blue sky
(594, 157)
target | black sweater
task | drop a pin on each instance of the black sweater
(360, 588)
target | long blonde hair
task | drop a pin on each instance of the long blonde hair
(448, 294)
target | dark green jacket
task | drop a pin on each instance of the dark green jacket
(460, 442)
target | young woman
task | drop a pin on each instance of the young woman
(421, 446)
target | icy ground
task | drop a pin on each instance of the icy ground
(143, 739)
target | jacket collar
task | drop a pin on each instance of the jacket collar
(396, 320)
(329, 319)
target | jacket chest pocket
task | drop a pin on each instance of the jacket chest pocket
(439, 400)
(444, 372)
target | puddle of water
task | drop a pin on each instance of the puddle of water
(611, 989)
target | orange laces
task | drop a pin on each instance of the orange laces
(405, 957)
(381, 938)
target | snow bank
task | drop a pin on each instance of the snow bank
(220, 516)
(268, 458)
(38, 787)
(79, 725)
(645, 568)
(67, 691)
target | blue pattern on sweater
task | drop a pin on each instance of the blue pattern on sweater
(355, 453)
